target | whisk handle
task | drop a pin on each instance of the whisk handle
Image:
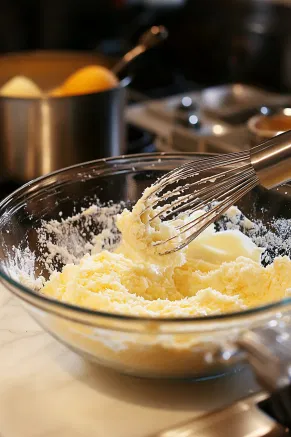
(272, 160)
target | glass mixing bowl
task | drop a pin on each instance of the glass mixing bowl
(189, 347)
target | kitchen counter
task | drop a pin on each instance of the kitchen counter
(48, 391)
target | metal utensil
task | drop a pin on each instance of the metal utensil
(41, 135)
(152, 37)
(189, 188)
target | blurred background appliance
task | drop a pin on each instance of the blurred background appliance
(211, 42)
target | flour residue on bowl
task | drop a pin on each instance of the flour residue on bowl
(66, 241)
(21, 267)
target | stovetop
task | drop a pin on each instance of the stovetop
(211, 120)
(162, 83)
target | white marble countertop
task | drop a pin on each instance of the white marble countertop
(48, 391)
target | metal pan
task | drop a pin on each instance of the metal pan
(38, 136)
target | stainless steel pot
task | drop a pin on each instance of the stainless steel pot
(38, 136)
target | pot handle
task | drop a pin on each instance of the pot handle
(151, 38)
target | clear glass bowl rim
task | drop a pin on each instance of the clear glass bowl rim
(52, 305)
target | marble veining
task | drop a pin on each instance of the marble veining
(48, 391)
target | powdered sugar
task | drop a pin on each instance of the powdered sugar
(275, 237)
(68, 240)
(21, 267)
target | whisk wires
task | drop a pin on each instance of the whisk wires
(208, 185)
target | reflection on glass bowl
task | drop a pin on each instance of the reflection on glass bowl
(134, 345)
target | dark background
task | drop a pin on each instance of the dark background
(211, 41)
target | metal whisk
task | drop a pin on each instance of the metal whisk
(214, 184)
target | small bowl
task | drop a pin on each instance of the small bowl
(263, 127)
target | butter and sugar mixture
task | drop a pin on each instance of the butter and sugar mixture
(218, 272)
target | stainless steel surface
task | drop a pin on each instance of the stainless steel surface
(222, 114)
(166, 108)
(230, 140)
(272, 160)
(225, 99)
(215, 137)
(149, 39)
(242, 419)
(38, 136)
(182, 139)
